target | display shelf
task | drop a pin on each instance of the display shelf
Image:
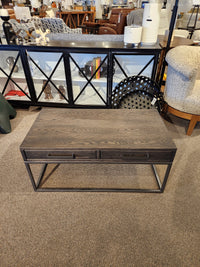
(78, 78)
(56, 99)
(17, 98)
(53, 95)
(18, 75)
(60, 76)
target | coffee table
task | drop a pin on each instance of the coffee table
(98, 136)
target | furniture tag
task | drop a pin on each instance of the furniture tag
(153, 101)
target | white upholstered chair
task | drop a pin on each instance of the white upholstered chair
(182, 90)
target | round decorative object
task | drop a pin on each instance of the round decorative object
(137, 92)
(136, 101)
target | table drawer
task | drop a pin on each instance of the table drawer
(140, 156)
(60, 154)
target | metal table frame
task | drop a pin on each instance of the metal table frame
(37, 183)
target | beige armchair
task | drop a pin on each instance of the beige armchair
(182, 90)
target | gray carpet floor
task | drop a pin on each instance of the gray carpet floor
(99, 229)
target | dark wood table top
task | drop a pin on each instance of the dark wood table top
(57, 128)
(89, 44)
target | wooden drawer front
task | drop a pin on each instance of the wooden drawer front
(138, 156)
(60, 154)
(161, 156)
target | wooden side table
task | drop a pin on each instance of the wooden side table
(76, 18)
(90, 27)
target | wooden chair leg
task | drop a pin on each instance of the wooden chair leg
(192, 124)
(165, 108)
(164, 111)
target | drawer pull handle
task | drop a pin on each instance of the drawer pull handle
(57, 155)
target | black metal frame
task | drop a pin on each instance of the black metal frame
(9, 33)
(9, 76)
(37, 184)
(171, 29)
(154, 58)
(66, 52)
(192, 28)
(88, 80)
(49, 78)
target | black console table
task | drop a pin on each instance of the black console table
(71, 74)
